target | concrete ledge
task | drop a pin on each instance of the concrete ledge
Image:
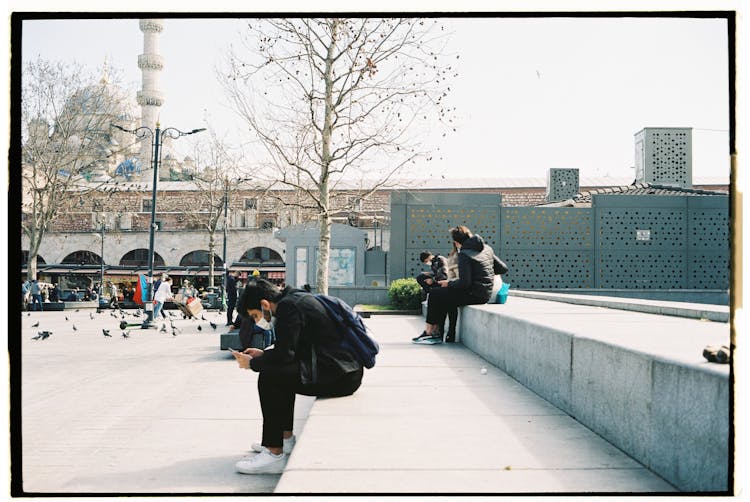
(636, 379)
(719, 313)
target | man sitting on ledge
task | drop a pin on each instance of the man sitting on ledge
(305, 359)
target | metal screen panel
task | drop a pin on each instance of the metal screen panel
(708, 229)
(547, 228)
(641, 270)
(530, 269)
(641, 228)
(707, 270)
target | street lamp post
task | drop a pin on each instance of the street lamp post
(224, 252)
(101, 271)
(157, 136)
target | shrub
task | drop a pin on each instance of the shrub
(405, 294)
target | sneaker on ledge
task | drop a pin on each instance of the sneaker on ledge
(264, 462)
(429, 340)
(287, 448)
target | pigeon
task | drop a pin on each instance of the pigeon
(106, 332)
(42, 335)
(170, 314)
(77, 310)
(125, 334)
(213, 325)
(163, 328)
(91, 315)
(74, 328)
(203, 317)
(35, 324)
(66, 318)
(199, 328)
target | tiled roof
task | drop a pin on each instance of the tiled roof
(584, 199)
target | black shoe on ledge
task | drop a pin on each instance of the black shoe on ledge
(450, 337)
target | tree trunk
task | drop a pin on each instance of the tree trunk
(324, 243)
(211, 246)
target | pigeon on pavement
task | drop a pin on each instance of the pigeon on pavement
(213, 325)
(106, 332)
(125, 334)
(35, 324)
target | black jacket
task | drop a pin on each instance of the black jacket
(439, 268)
(477, 266)
(301, 324)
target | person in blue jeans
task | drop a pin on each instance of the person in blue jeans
(36, 295)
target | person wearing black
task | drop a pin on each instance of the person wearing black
(231, 292)
(477, 266)
(305, 359)
(438, 271)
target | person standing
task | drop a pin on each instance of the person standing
(36, 295)
(163, 294)
(112, 295)
(231, 292)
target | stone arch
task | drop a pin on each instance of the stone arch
(25, 259)
(199, 258)
(261, 255)
(82, 257)
(139, 258)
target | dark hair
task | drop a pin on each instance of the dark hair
(460, 234)
(424, 255)
(254, 292)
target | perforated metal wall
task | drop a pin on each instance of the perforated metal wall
(638, 228)
(547, 228)
(666, 155)
(641, 270)
(562, 184)
(707, 270)
(622, 242)
(549, 269)
(423, 221)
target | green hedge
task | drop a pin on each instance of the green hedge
(405, 294)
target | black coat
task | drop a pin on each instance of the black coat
(477, 266)
(301, 324)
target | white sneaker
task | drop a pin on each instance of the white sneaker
(264, 462)
(287, 447)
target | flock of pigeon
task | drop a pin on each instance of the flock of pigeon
(124, 324)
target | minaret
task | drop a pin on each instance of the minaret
(149, 97)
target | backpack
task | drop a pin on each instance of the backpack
(353, 330)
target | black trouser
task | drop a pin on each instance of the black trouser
(445, 301)
(277, 388)
(231, 303)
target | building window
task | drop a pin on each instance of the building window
(251, 203)
(146, 205)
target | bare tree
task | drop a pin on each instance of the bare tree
(219, 175)
(335, 100)
(66, 138)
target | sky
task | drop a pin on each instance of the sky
(532, 93)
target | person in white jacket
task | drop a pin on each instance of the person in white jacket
(162, 294)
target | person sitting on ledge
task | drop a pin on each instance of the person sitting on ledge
(477, 266)
(305, 359)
